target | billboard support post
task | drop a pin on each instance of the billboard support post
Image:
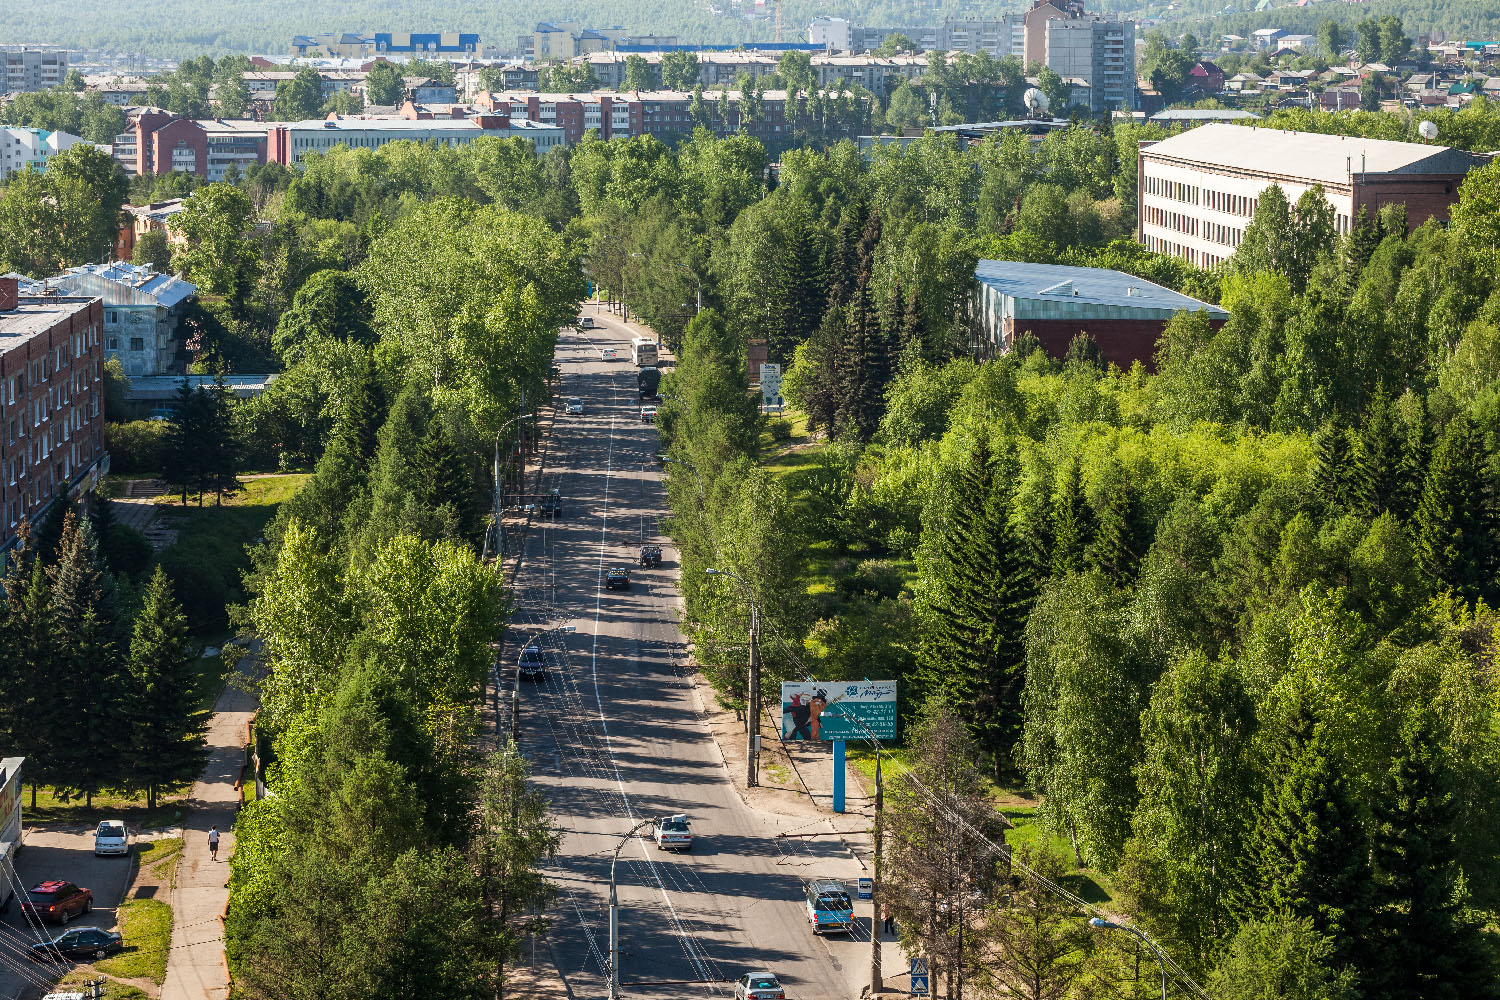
(838, 776)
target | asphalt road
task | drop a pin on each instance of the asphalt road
(614, 735)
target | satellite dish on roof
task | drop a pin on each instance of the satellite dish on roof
(1428, 130)
(1035, 100)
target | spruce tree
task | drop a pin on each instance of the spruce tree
(1337, 471)
(1380, 448)
(185, 452)
(1073, 523)
(168, 722)
(87, 662)
(981, 588)
(827, 350)
(869, 359)
(221, 450)
(449, 480)
(914, 330)
(1309, 847)
(1426, 944)
(1113, 550)
(1454, 526)
(1416, 452)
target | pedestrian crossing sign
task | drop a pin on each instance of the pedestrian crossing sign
(919, 977)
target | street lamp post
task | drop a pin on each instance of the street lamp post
(702, 497)
(499, 527)
(614, 913)
(752, 710)
(1161, 961)
(515, 692)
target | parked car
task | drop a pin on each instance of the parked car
(650, 556)
(673, 833)
(758, 986)
(648, 414)
(56, 901)
(617, 579)
(86, 943)
(111, 837)
(532, 663)
(575, 406)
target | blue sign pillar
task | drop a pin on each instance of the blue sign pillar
(838, 776)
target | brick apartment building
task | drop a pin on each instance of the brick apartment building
(157, 142)
(51, 402)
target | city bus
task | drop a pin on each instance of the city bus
(643, 352)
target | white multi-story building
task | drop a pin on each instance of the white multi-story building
(31, 68)
(31, 147)
(142, 308)
(833, 33)
(1199, 189)
(289, 142)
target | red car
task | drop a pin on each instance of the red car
(57, 901)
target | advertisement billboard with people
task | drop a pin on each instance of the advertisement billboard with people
(838, 710)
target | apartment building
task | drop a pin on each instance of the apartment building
(1098, 50)
(552, 41)
(51, 402)
(158, 142)
(32, 68)
(31, 147)
(141, 309)
(1199, 189)
(877, 74)
(359, 44)
(289, 142)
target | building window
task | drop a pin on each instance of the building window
(137, 343)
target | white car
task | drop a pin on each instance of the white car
(673, 833)
(758, 986)
(111, 837)
(575, 406)
(609, 354)
(648, 414)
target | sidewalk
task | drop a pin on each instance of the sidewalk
(195, 964)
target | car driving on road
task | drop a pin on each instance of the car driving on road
(552, 504)
(673, 833)
(609, 353)
(56, 901)
(650, 556)
(828, 906)
(758, 986)
(111, 837)
(617, 579)
(648, 414)
(85, 943)
(575, 406)
(532, 663)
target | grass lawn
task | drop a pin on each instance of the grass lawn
(50, 809)
(158, 858)
(147, 927)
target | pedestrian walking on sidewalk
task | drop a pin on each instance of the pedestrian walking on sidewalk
(889, 924)
(213, 843)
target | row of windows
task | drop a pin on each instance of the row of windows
(1217, 232)
(1193, 256)
(1175, 221)
(1234, 204)
(31, 495)
(1176, 190)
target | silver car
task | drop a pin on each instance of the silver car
(111, 837)
(575, 406)
(758, 986)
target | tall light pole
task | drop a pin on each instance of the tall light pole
(702, 498)
(1161, 961)
(515, 692)
(499, 527)
(614, 913)
(752, 710)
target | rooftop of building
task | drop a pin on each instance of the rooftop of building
(35, 315)
(151, 287)
(1329, 159)
(165, 387)
(1087, 286)
(1204, 115)
(356, 123)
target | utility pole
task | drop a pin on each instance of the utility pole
(752, 710)
(614, 914)
(877, 930)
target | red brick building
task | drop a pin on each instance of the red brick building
(51, 402)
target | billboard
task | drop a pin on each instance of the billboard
(838, 710)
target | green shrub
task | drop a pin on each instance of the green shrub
(135, 447)
(781, 429)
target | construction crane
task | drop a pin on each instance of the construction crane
(778, 20)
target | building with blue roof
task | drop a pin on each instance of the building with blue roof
(359, 44)
(142, 308)
(1124, 314)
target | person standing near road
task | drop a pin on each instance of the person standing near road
(213, 843)
(888, 925)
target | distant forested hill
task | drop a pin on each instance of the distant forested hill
(190, 27)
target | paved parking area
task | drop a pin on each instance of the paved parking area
(65, 853)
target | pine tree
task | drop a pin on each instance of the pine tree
(982, 586)
(168, 724)
(1309, 847)
(1337, 473)
(185, 451)
(1426, 945)
(914, 329)
(1454, 525)
(1380, 449)
(1416, 452)
(1113, 550)
(449, 480)
(87, 663)
(221, 450)
(1073, 524)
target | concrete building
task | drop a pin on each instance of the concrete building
(357, 44)
(877, 74)
(30, 67)
(51, 402)
(1199, 189)
(155, 397)
(31, 147)
(138, 220)
(1124, 314)
(835, 34)
(289, 142)
(141, 309)
(553, 41)
(1060, 35)
(159, 143)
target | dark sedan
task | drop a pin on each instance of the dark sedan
(81, 943)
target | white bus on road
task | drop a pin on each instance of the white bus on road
(643, 352)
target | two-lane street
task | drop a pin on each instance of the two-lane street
(615, 734)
